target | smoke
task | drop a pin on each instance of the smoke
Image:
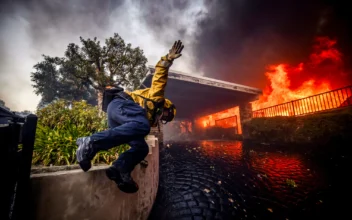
(30, 28)
(238, 39)
(230, 40)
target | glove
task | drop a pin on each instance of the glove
(175, 51)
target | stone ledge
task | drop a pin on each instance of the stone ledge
(69, 193)
(317, 129)
(61, 170)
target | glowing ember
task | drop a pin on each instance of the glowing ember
(321, 73)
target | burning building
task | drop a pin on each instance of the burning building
(293, 90)
(196, 96)
(205, 103)
(291, 49)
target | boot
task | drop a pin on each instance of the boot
(123, 180)
(85, 153)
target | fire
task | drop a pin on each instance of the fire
(205, 123)
(280, 92)
(321, 73)
(225, 119)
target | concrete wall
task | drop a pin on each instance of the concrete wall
(75, 195)
(314, 129)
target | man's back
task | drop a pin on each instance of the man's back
(155, 94)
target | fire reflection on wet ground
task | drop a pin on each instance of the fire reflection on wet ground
(226, 180)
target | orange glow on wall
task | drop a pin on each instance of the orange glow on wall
(225, 119)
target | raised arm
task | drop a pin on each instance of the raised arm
(159, 81)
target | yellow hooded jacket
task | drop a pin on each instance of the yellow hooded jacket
(157, 90)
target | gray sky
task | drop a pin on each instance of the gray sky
(233, 40)
(32, 28)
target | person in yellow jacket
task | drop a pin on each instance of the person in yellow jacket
(130, 116)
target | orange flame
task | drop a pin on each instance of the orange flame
(322, 72)
(225, 119)
(205, 123)
(319, 74)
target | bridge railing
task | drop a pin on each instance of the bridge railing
(333, 99)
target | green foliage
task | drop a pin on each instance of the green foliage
(51, 85)
(60, 124)
(316, 128)
(85, 70)
(63, 113)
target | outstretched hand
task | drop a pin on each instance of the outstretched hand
(175, 51)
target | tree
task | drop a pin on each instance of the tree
(51, 85)
(84, 71)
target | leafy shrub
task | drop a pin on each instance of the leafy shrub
(59, 126)
(63, 113)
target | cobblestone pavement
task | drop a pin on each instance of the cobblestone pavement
(225, 180)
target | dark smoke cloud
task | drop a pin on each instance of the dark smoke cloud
(163, 16)
(30, 28)
(173, 19)
(238, 39)
(231, 40)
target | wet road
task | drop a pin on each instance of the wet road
(226, 180)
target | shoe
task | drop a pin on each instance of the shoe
(123, 181)
(85, 153)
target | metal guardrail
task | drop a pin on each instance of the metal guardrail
(17, 135)
(333, 99)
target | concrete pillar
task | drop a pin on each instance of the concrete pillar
(245, 110)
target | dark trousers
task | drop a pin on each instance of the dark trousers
(128, 124)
